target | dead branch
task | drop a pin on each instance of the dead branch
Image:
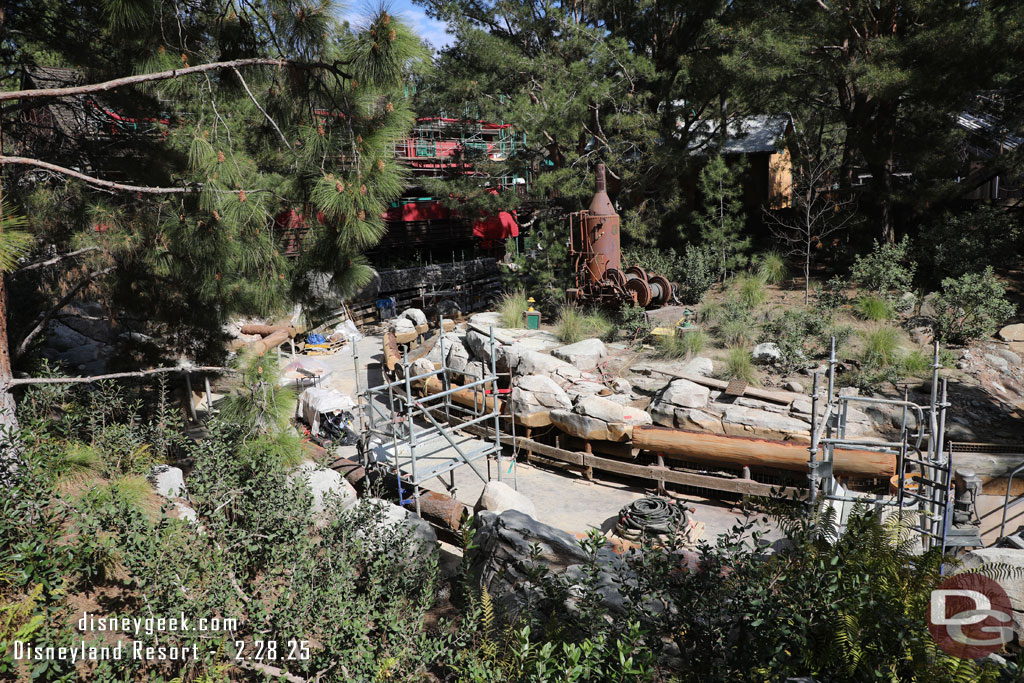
(98, 182)
(48, 316)
(165, 75)
(262, 110)
(55, 259)
(118, 375)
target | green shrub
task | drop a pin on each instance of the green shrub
(696, 275)
(574, 324)
(970, 307)
(740, 365)
(772, 267)
(750, 290)
(512, 307)
(711, 312)
(874, 308)
(802, 335)
(675, 346)
(917, 363)
(832, 295)
(886, 269)
(736, 333)
(881, 347)
(970, 241)
(633, 321)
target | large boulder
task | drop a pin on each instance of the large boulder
(582, 426)
(604, 409)
(324, 484)
(1012, 333)
(415, 315)
(535, 393)
(741, 421)
(449, 339)
(480, 345)
(401, 325)
(584, 354)
(394, 515)
(498, 497)
(501, 560)
(698, 366)
(685, 394)
(458, 355)
(169, 482)
(698, 420)
(1011, 581)
(523, 361)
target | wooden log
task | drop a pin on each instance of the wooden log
(263, 330)
(782, 397)
(271, 341)
(741, 450)
(392, 356)
(467, 397)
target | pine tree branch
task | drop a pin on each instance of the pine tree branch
(118, 375)
(97, 182)
(48, 316)
(166, 75)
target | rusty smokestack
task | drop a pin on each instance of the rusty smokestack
(602, 230)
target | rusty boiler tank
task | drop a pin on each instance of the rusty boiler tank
(597, 259)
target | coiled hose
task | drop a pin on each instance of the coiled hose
(651, 517)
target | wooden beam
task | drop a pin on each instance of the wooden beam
(782, 397)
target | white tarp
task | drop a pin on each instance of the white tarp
(314, 402)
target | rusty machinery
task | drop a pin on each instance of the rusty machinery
(597, 259)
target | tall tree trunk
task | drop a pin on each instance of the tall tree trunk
(8, 418)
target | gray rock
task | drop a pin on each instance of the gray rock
(169, 482)
(535, 393)
(480, 345)
(691, 418)
(401, 325)
(486, 319)
(458, 355)
(1012, 583)
(185, 512)
(396, 514)
(415, 315)
(1009, 356)
(698, 366)
(324, 484)
(610, 411)
(420, 366)
(449, 308)
(621, 386)
(449, 339)
(523, 361)
(475, 370)
(922, 335)
(685, 394)
(584, 354)
(582, 426)
(928, 309)
(663, 414)
(497, 497)
(649, 385)
(795, 387)
(1012, 333)
(998, 362)
(580, 388)
(741, 421)
(767, 352)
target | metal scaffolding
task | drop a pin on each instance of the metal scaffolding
(414, 439)
(924, 470)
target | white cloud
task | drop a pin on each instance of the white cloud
(431, 30)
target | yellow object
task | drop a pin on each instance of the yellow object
(531, 301)
(663, 331)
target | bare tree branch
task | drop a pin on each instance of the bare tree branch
(165, 75)
(48, 316)
(262, 110)
(97, 182)
(118, 375)
(55, 259)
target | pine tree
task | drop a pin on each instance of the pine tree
(722, 221)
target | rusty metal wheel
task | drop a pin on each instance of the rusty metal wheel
(661, 290)
(615, 276)
(636, 272)
(640, 290)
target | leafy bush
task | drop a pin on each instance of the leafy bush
(968, 242)
(772, 267)
(675, 346)
(970, 307)
(831, 295)
(512, 307)
(633, 321)
(801, 335)
(886, 269)
(739, 364)
(874, 308)
(750, 290)
(696, 274)
(881, 347)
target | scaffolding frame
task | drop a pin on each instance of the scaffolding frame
(414, 445)
(923, 448)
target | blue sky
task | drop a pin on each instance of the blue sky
(431, 30)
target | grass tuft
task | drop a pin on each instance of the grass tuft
(740, 365)
(881, 347)
(574, 325)
(512, 307)
(690, 344)
(917, 363)
(750, 290)
(738, 333)
(772, 267)
(875, 308)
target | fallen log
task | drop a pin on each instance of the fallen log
(271, 341)
(740, 450)
(783, 397)
(263, 330)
